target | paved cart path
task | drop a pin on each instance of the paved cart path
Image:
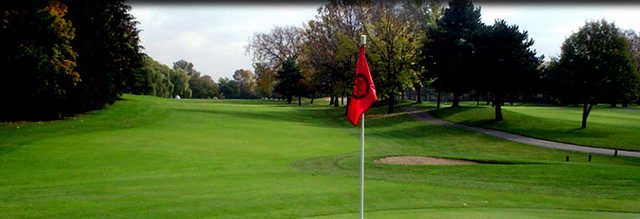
(426, 117)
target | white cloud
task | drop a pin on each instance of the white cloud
(213, 37)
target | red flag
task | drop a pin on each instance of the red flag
(364, 92)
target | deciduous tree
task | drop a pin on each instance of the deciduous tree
(448, 50)
(39, 63)
(289, 77)
(506, 62)
(594, 62)
(392, 51)
(265, 80)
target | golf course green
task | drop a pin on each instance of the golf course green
(149, 157)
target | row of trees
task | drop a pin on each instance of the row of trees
(421, 43)
(181, 80)
(62, 57)
(185, 81)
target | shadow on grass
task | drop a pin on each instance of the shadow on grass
(308, 116)
(522, 124)
(320, 116)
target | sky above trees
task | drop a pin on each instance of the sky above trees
(214, 36)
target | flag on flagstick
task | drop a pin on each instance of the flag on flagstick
(364, 92)
(364, 95)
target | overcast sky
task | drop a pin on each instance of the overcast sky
(214, 36)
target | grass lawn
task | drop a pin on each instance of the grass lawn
(606, 127)
(151, 157)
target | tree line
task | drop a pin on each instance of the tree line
(62, 57)
(446, 47)
(184, 81)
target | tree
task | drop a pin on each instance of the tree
(595, 63)
(448, 50)
(158, 79)
(229, 88)
(288, 78)
(331, 46)
(634, 46)
(275, 47)
(392, 51)
(265, 79)
(202, 87)
(180, 81)
(507, 62)
(247, 82)
(108, 49)
(38, 60)
(422, 15)
(185, 66)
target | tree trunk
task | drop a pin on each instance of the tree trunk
(336, 102)
(418, 94)
(438, 101)
(456, 100)
(289, 99)
(498, 106)
(586, 109)
(347, 108)
(312, 97)
(392, 100)
(331, 100)
(299, 100)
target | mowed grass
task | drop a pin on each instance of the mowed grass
(606, 127)
(148, 157)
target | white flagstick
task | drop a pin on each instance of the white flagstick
(363, 41)
(362, 169)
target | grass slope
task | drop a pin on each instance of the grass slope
(606, 127)
(151, 157)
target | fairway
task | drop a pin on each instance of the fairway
(153, 157)
(607, 127)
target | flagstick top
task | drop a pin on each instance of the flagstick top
(363, 39)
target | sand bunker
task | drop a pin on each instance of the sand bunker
(420, 160)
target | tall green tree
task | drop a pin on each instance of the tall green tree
(422, 15)
(448, 50)
(288, 78)
(39, 63)
(202, 86)
(108, 49)
(506, 62)
(596, 63)
(634, 47)
(180, 81)
(158, 82)
(230, 89)
(392, 51)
